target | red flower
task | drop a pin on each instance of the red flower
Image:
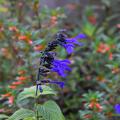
(25, 38)
(21, 72)
(38, 47)
(11, 99)
(12, 86)
(103, 48)
(17, 83)
(13, 28)
(110, 56)
(6, 95)
(92, 19)
(88, 116)
(96, 106)
(22, 78)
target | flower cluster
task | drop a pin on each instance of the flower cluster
(19, 36)
(49, 63)
(104, 48)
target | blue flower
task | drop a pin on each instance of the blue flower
(70, 43)
(60, 66)
(61, 84)
(117, 108)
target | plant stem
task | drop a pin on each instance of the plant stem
(36, 11)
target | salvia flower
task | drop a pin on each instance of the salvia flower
(69, 43)
(49, 63)
(117, 108)
(60, 66)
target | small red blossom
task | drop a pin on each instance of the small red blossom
(88, 116)
(6, 95)
(25, 38)
(22, 78)
(92, 19)
(38, 47)
(2, 110)
(96, 106)
(21, 72)
(6, 53)
(13, 28)
(11, 100)
(110, 56)
(53, 20)
(17, 83)
(103, 48)
(12, 86)
(115, 70)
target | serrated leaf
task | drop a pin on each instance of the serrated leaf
(2, 116)
(21, 114)
(30, 92)
(50, 111)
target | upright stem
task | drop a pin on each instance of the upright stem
(36, 11)
(38, 77)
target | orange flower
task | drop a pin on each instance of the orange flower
(11, 99)
(17, 83)
(6, 95)
(21, 72)
(88, 116)
(12, 86)
(103, 48)
(25, 38)
(96, 106)
(110, 56)
(2, 110)
(22, 78)
(38, 47)
(115, 70)
(92, 19)
(6, 53)
(99, 107)
(13, 28)
(53, 20)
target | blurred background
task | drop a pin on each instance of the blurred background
(26, 26)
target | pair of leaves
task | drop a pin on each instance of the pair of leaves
(48, 111)
(30, 92)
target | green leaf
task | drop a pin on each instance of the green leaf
(30, 92)
(37, 42)
(89, 29)
(22, 114)
(50, 111)
(2, 116)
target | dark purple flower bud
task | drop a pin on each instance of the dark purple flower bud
(40, 88)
